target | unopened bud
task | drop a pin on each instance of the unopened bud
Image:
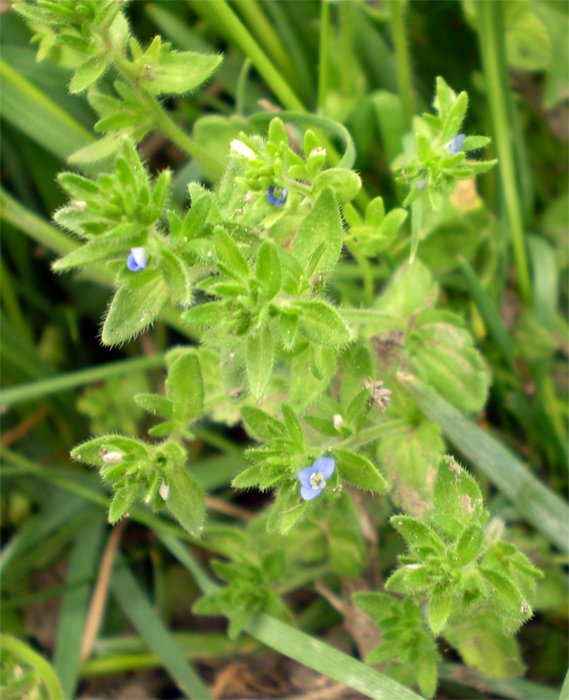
(164, 490)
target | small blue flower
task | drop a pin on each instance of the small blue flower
(313, 479)
(455, 144)
(277, 201)
(137, 260)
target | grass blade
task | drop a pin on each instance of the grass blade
(323, 658)
(35, 114)
(532, 498)
(70, 380)
(492, 320)
(138, 609)
(83, 564)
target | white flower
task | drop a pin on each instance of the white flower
(241, 149)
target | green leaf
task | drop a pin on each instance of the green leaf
(178, 72)
(208, 314)
(477, 637)
(507, 600)
(89, 253)
(268, 268)
(442, 355)
(260, 359)
(304, 387)
(186, 500)
(457, 498)
(260, 424)
(425, 670)
(417, 533)
(440, 604)
(87, 74)
(408, 290)
(93, 452)
(288, 326)
(176, 276)
(77, 186)
(455, 117)
(345, 184)
(359, 471)
(474, 143)
(234, 262)
(287, 509)
(184, 385)
(134, 309)
(159, 195)
(410, 462)
(123, 500)
(376, 605)
(155, 404)
(322, 324)
(469, 544)
(292, 425)
(321, 225)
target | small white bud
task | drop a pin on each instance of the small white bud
(164, 490)
(112, 457)
(80, 205)
(242, 149)
(317, 152)
(338, 421)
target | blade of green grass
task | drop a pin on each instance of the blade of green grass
(564, 695)
(532, 498)
(34, 113)
(230, 26)
(82, 569)
(489, 313)
(28, 657)
(139, 611)
(491, 36)
(545, 281)
(62, 382)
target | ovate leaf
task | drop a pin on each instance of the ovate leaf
(134, 309)
(178, 72)
(260, 360)
(186, 500)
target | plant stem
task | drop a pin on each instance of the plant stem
(493, 54)
(63, 382)
(323, 56)
(403, 62)
(241, 85)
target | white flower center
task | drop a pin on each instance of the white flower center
(317, 481)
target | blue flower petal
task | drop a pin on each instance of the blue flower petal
(305, 474)
(273, 199)
(455, 144)
(326, 465)
(308, 493)
(137, 260)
